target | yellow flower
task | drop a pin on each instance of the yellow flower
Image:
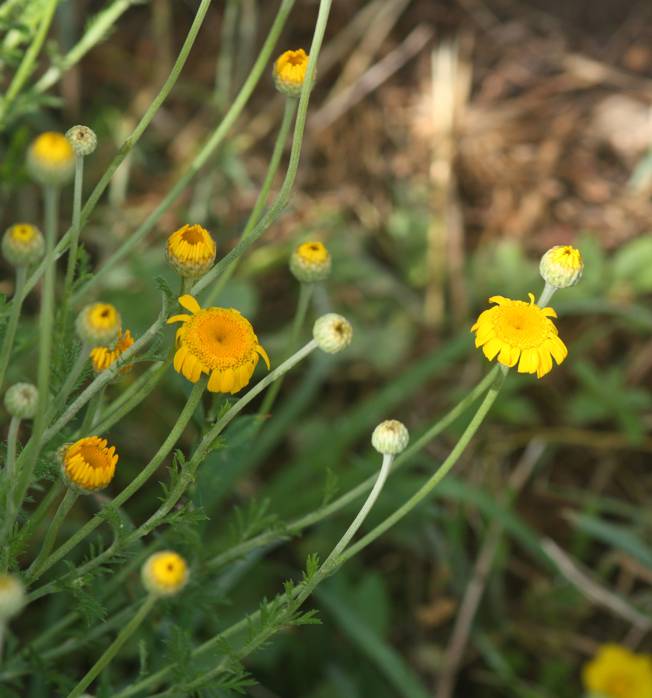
(191, 250)
(23, 244)
(615, 672)
(164, 573)
(88, 464)
(310, 262)
(51, 158)
(562, 266)
(519, 332)
(103, 357)
(219, 342)
(289, 72)
(98, 324)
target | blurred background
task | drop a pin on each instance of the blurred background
(449, 144)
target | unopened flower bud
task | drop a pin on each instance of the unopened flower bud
(191, 251)
(164, 573)
(390, 437)
(23, 244)
(12, 596)
(561, 266)
(310, 262)
(98, 324)
(21, 400)
(290, 71)
(82, 139)
(51, 159)
(332, 332)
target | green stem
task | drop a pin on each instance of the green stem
(299, 524)
(133, 138)
(12, 324)
(142, 477)
(36, 517)
(9, 475)
(114, 647)
(204, 154)
(64, 507)
(26, 65)
(92, 411)
(436, 477)
(70, 382)
(305, 294)
(74, 236)
(279, 145)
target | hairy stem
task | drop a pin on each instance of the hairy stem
(12, 324)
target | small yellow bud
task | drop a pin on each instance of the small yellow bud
(561, 266)
(332, 332)
(191, 251)
(82, 139)
(310, 262)
(21, 400)
(12, 596)
(51, 159)
(390, 437)
(98, 324)
(23, 244)
(290, 71)
(164, 573)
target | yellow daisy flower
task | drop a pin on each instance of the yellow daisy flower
(615, 672)
(191, 250)
(519, 333)
(88, 464)
(219, 342)
(289, 72)
(164, 573)
(103, 357)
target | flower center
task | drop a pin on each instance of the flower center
(521, 325)
(220, 338)
(193, 235)
(94, 457)
(619, 686)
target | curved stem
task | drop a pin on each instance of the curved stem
(279, 145)
(12, 324)
(114, 647)
(305, 294)
(53, 530)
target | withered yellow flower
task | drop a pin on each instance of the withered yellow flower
(219, 342)
(88, 464)
(519, 333)
(103, 357)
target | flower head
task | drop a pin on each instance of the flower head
(310, 262)
(51, 158)
(82, 139)
(88, 464)
(390, 437)
(519, 333)
(219, 342)
(332, 332)
(191, 251)
(289, 72)
(164, 573)
(562, 266)
(615, 672)
(21, 400)
(12, 596)
(103, 357)
(98, 324)
(23, 244)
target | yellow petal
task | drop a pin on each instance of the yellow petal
(214, 382)
(557, 348)
(263, 353)
(179, 358)
(499, 300)
(178, 318)
(189, 303)
(491, 348)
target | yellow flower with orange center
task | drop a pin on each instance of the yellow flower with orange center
(191, 250)
(51, 158)
(616, 672)
(164, 573)
(290, 71)
(519, 333)
(88, 464)
(103, 357)
(219, 342)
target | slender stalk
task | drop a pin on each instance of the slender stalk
(74, 235)
(70, 382)
(10, 474)
(133, 138)
(92, 411)
(436, 477)
(204, 154)
(305, 294)
(546, 295)
(142, 477)
(12, 324)
(64, 507)
(37, 516)
(279, 145)
(26, 65)
(114, 647)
